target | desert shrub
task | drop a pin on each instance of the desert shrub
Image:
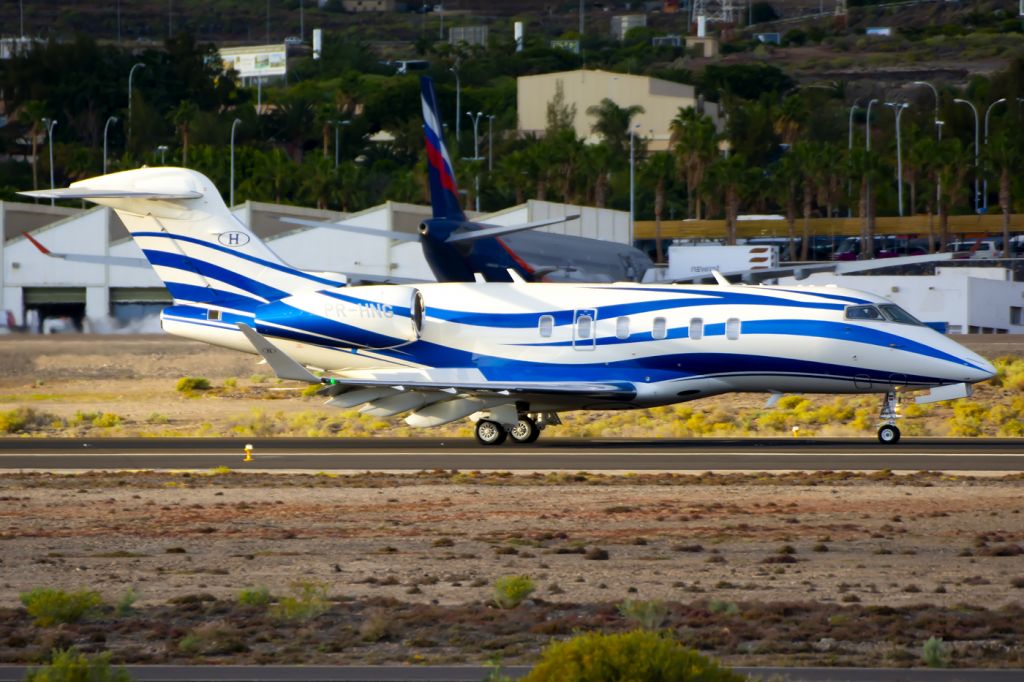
(648, 615)
(969, 419)
(190, 384)
(125, 604)
(511, 590)
(254, 596)
(231, 382)
(53, 607)
(637, 655)
(721, 606)
(935, 653)
(212, 639)
(68, 665)
(23, 419)
(377, 627)
(308, 600)
(106, 420)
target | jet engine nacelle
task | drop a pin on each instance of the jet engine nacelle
(367, 317)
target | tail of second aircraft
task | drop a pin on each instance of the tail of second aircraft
(444, 193)
(197, 247)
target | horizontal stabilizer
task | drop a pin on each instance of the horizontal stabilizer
(355, 229)
(123, 261)
(282, 364)
(74, 193)
(501, 230)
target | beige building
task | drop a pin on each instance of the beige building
(660, 99)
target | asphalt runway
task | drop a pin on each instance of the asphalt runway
(252, 673)
(417, 454)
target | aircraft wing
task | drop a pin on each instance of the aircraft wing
(73, 193)
(355, 229)
(802, 271)
(500, 230)
(124, 261)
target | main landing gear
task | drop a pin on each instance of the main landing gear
(888, 432)
(525, 431)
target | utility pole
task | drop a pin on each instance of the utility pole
(898, 108)
(50, 125)
(977, 150)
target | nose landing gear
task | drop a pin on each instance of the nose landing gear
(889, 433)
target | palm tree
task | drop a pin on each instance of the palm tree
(1000, 157)
(318, 181)
(601, 160)
(182, 119)
(808, 160)
(785, 188)
(657, 171)
(693, 141)
(614, 123)
(32, 114)
(867, 167)
(926, 153)
(733, 179)
(953, 163)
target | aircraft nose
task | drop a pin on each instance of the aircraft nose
(983, 370)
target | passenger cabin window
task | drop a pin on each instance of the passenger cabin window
(622, 328)
(732, 328)
(863, 312)
(546, 324)
(213, 314)
(696, 329)
(584, 327)
(660, 329)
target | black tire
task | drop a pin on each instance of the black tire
(490, 433)
(889, 434)
(525, 431)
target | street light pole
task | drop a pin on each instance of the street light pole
(336, 147)
(458, 103)
(50, 125)
(476, 153)
(867, 143)
(162, 148)
(490, 143)
(131, 73)
(938, 134)
(231, 192)
(632, 181)
(984, 191)
(977, 150)
(106, 126)
(849, 129)
(898, 108)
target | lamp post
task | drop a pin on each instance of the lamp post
(490, 143)
(867, 146)
(632, 180)
(476, 153)
(50, 125)
(938, 134)
(106, 126)
(984, 191)
(977, 150)
(231, 191)
(849, 132)
(899, 108)
(131, 73)
(336, 146)
(458, 103)
(163, 153)
(867, 141)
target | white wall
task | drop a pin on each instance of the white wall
(963, 298)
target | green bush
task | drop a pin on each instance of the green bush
(255, 596)
(190, 384)
(68, 665)
(106, 420)
(212, 639)
(308, 600)
(648, 615)
(22, 419)
(637, 655)
(935, 653)
(52, 607)
(511, 590)
(126, 603)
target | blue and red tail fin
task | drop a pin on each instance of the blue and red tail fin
(444, 193)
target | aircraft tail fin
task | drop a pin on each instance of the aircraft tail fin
(198, 248)
(444, 193)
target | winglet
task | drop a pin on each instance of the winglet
(42, 249)
(282, 364)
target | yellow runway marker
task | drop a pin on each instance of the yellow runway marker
(248, 453)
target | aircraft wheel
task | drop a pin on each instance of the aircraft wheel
(490, 433)
(525, 431)
(889, 434)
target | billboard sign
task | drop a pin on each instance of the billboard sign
(256, 61)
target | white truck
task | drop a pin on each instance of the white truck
(687, 262)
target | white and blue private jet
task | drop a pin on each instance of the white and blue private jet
(512, 355)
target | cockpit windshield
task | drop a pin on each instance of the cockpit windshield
(886, 312)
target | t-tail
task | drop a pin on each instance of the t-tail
(444, 192)
(203, 254)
